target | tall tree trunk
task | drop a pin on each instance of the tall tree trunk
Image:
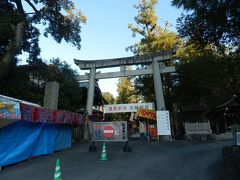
(12, 49)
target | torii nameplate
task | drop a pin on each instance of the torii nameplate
(105, 63)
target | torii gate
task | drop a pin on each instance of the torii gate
(156, 69)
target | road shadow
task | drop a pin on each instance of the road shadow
(219, 171)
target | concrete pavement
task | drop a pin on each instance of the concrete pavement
(165, 160)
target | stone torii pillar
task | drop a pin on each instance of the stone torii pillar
(91, 87)
(153, 59)
(158, 85)
(90, 99)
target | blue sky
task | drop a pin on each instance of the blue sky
(106, 33)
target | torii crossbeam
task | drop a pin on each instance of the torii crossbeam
(156, 69)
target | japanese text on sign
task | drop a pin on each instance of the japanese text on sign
(118, 108)
(146, 113)
(163, 123)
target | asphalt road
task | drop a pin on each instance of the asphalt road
(152, 160)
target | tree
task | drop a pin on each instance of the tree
(210, 22)
(27, 83)
(126, 95)
(70, 93)
(108, 97)
(212, 30)
(126, 91)
(18, 30)
(205, 74)
(154, 39)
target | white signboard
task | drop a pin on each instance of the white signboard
(163, 123)
(119, 108)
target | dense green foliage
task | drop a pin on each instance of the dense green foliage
(207, 78)
(154, 39)
(19, 31)
(216, 22)
(70, 93)
(108, 98)
(126, 91)
(209, 66)
(27, 83)
(126, 95)
(19, 85)
(207, 62)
